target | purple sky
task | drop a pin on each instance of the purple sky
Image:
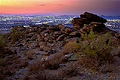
(101, 7)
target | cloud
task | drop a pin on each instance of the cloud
(60, 4)
(41, 5)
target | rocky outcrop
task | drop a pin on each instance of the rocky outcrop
(87, 18)
(44, 36)
(47, 42)
(88, 21)
(55, 37)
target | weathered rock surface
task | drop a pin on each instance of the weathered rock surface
(87, 18)
(55, 37)
(88, 21)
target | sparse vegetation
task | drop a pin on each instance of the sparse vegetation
(37, 69)
(2, 61)
(93, 49)
(16, 35)
(2, 50)
(67, 48)
(119, 53)
(2, 45)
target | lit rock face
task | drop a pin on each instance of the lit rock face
(87, 18)
(88, 21)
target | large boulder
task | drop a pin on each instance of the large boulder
(88, 21)
(87, 18)
(92, 17)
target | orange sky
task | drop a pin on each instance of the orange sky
(30, 6)
(60, 6)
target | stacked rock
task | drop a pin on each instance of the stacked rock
(88, 21)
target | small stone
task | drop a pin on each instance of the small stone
(60, 26)
(62, 65)
(45, 58)
(69, 55)
(75, 33)
(45, 53)
(117, 35)
(60, 37)
(68, 30)
(57, 33)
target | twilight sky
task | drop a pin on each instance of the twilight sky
(101, 7)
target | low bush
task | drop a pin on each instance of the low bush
(55, 60)
(2, 45)
(16, 35)
(93, 49)
(119, 53)
(67, 48)
(2, 60)
(37, 68)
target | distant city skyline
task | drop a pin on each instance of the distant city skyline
(61, 7)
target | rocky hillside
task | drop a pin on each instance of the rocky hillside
(41, 52)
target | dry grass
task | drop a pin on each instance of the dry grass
(38, 66)
(10, 65)
(95, 50)
(37, 69)
(70, 70)
(118, 53)
(56, 59)
(67, 48)
(28, 55)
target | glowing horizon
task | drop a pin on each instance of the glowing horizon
(60, 6)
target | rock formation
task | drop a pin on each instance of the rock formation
(88, 21)
(55, 37)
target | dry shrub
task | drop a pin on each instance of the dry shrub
(2, 77)
(56, 59)
(51, 64)
(93, 49)
(2, 61)
(36, 70)
(28, 55)
(11, 64)
(31, 51)
(16, 35)
(67, 48)
(106, 68)
(45, 75)
(118, 51)
(119, 54)
(38, 66)
(72, 69)
(42, 65)
(2, 45)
